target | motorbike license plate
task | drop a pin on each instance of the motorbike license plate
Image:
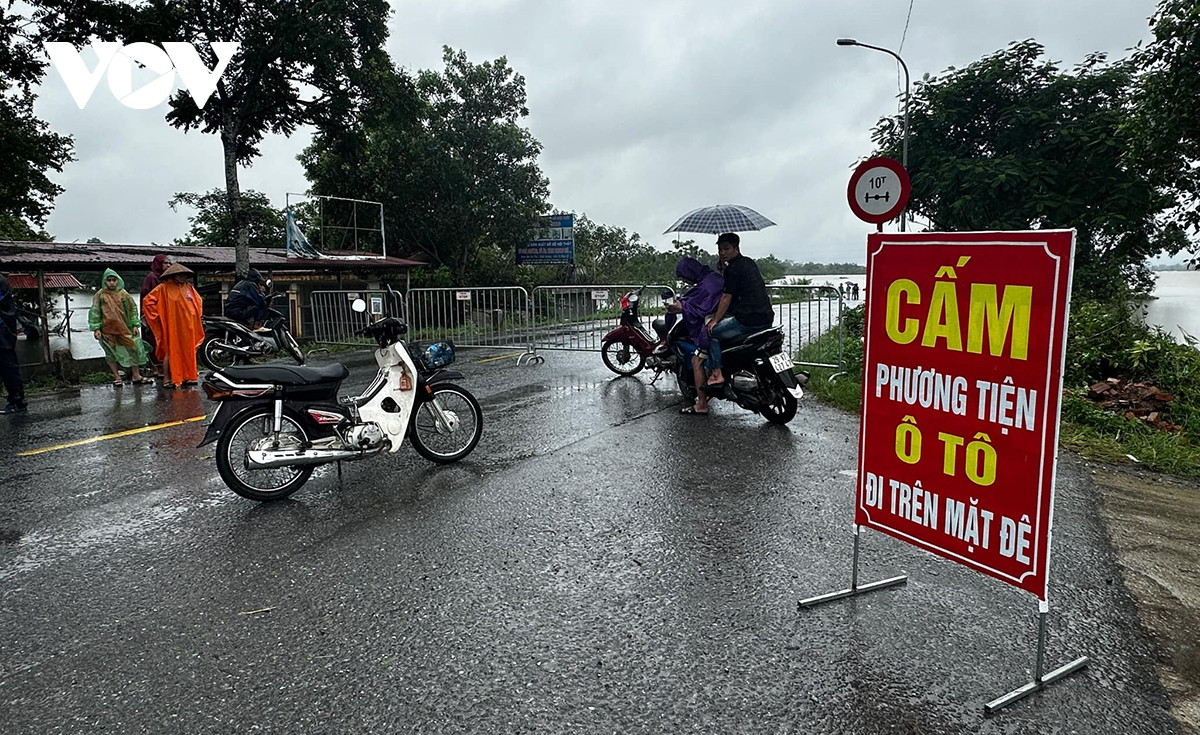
(781, 363)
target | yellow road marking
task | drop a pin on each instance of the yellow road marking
(119, 434)
(499, 357)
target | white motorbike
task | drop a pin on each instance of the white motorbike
(275, 423)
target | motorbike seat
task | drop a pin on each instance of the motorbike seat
(750, 337)
(287, 375)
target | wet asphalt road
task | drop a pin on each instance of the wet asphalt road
(599, 564)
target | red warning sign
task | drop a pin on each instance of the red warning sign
(962, 379)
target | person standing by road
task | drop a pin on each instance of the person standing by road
(10, 369)
(173, 311)
(149, 283)
(744, 307)
(114, 321)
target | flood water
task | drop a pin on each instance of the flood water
(1176, 306)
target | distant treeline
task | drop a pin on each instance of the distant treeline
(822, 269)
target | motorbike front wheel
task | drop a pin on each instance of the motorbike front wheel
(291, 346)
(255, 430)
(215, 356)
(447, 425)
(621, 357)
(684, 382)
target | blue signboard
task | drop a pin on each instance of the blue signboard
(552, 243)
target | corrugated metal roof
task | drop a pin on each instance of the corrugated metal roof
(98, 256)
(53, 280)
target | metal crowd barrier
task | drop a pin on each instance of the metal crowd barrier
(578, 317)
(572, 318)
(334, 322)
(471, 317)
(806, 313)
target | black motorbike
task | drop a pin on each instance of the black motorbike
(228, 342)
(759, 377)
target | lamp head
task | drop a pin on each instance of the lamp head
(847, 42)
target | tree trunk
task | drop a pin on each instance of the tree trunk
(233, 199)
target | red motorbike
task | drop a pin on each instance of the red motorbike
(629, 347)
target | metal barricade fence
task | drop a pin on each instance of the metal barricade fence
(578, 317)
(564, 317)
(811, 319)
(471, 316)
(334, 322)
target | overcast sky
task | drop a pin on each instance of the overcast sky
(646, 108)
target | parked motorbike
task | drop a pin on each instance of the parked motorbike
(228, 342)
(276, 423)
(629, 347)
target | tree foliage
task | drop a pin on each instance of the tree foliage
(28, 149)
(299, 63)
(1168, 112)
(1014, 142)
(447, 154)
(212, 224)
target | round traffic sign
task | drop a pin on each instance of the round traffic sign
(878, 190)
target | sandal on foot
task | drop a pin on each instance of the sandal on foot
(168, 385)
(188, 384)
(118, 383)
(691, 411)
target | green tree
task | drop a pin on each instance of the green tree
(771, 268)
(605, 253)
(1168, 112)
(28, 149)
(1013, 142)
(298, 63)
(212, 224)
(447, 155)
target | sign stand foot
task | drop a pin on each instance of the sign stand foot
(1039, 681)
(855, 589)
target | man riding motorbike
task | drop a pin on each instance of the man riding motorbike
(246, 302)
(745, 307)
(694, 306)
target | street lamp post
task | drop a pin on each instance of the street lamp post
(904, 143)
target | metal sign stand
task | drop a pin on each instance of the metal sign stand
(1039, 681)
(854, 588)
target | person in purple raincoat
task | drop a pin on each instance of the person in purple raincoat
(694, 306)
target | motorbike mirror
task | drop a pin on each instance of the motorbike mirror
(359, 305)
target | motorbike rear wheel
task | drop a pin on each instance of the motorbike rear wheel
(781, 408)
(216, 357)
(254, 430)
(622, 357)
(446, 426)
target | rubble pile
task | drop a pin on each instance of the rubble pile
(1139, 401)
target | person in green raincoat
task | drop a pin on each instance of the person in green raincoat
(114, 321)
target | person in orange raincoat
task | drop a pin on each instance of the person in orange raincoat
(173, 310)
